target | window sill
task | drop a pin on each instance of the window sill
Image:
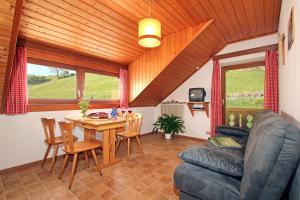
(51, 105)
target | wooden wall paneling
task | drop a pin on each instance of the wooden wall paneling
(171, 74)
(15, 10)
(169, 49)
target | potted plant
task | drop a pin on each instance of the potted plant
(169, 124)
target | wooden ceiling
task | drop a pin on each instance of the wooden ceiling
(107, 29)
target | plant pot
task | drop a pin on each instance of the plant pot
(168, 136)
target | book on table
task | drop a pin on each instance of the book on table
(224, 142)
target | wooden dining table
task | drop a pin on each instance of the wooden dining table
(108, 128)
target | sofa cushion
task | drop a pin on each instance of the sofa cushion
(271, 156)
(205, 184)
(213, 159)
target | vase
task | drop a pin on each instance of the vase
(83, 113)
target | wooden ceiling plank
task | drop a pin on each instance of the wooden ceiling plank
(67, 44)
(232, 15)
(90, 14)
(259, 16)
(81, 43)
(223, 16)
(78, 14)
(181, 13)
(11, 51)
(250, 14)
(191, 11)
(46, 15)
(240, 12)
(89, 38)
(111, 13)
(269, 10)
(277, 9)
(212, 14)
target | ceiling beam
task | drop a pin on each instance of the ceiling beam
(11, 50)
(246, 52)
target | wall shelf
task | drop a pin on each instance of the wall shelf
(193, 110)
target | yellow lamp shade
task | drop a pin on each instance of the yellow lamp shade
(149, 32)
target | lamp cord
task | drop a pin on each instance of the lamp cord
(149, 8)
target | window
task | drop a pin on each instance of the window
(56, 88)
(245, 88)
(101, 87)
(46, 82)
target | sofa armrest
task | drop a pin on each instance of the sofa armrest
(233, 131)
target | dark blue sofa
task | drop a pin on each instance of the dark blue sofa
(265, 168)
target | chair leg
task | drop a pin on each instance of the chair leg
(128, 148)
(46, 155)
(54, 157)
(73, 170)
(118, 144)
(86, 157)
(139, 144)
(96, 161)
(64, 166)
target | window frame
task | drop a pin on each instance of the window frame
(44, 104)
(227, 68)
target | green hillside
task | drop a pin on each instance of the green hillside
(245, 88)
(97, 86)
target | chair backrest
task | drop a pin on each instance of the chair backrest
(66, 129)
(271, 157)
(134, 122)
(49, 127)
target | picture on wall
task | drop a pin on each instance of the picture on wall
(291, 29)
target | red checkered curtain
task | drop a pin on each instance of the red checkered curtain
(216, 99)
(123, 88)
(271, 81)
(17, 99)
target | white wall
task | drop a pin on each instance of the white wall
(199, 125)
(21, 136)
(289, 74)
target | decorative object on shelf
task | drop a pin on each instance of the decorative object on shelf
(84, 105)
(149, 32)
(291, 29)
(231, 120)
(114, 113)
(249, 121)
(198, 106)
(169, 124)
(281, 48)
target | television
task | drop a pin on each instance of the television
(197, 94)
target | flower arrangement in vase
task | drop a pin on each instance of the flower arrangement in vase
(84, 104)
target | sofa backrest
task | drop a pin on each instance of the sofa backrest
(271, 157)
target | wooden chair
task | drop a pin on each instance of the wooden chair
(51, 140)
(133, 125)
(74, 148)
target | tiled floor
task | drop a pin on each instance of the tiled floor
(142, 177)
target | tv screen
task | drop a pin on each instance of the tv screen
(197, 94)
